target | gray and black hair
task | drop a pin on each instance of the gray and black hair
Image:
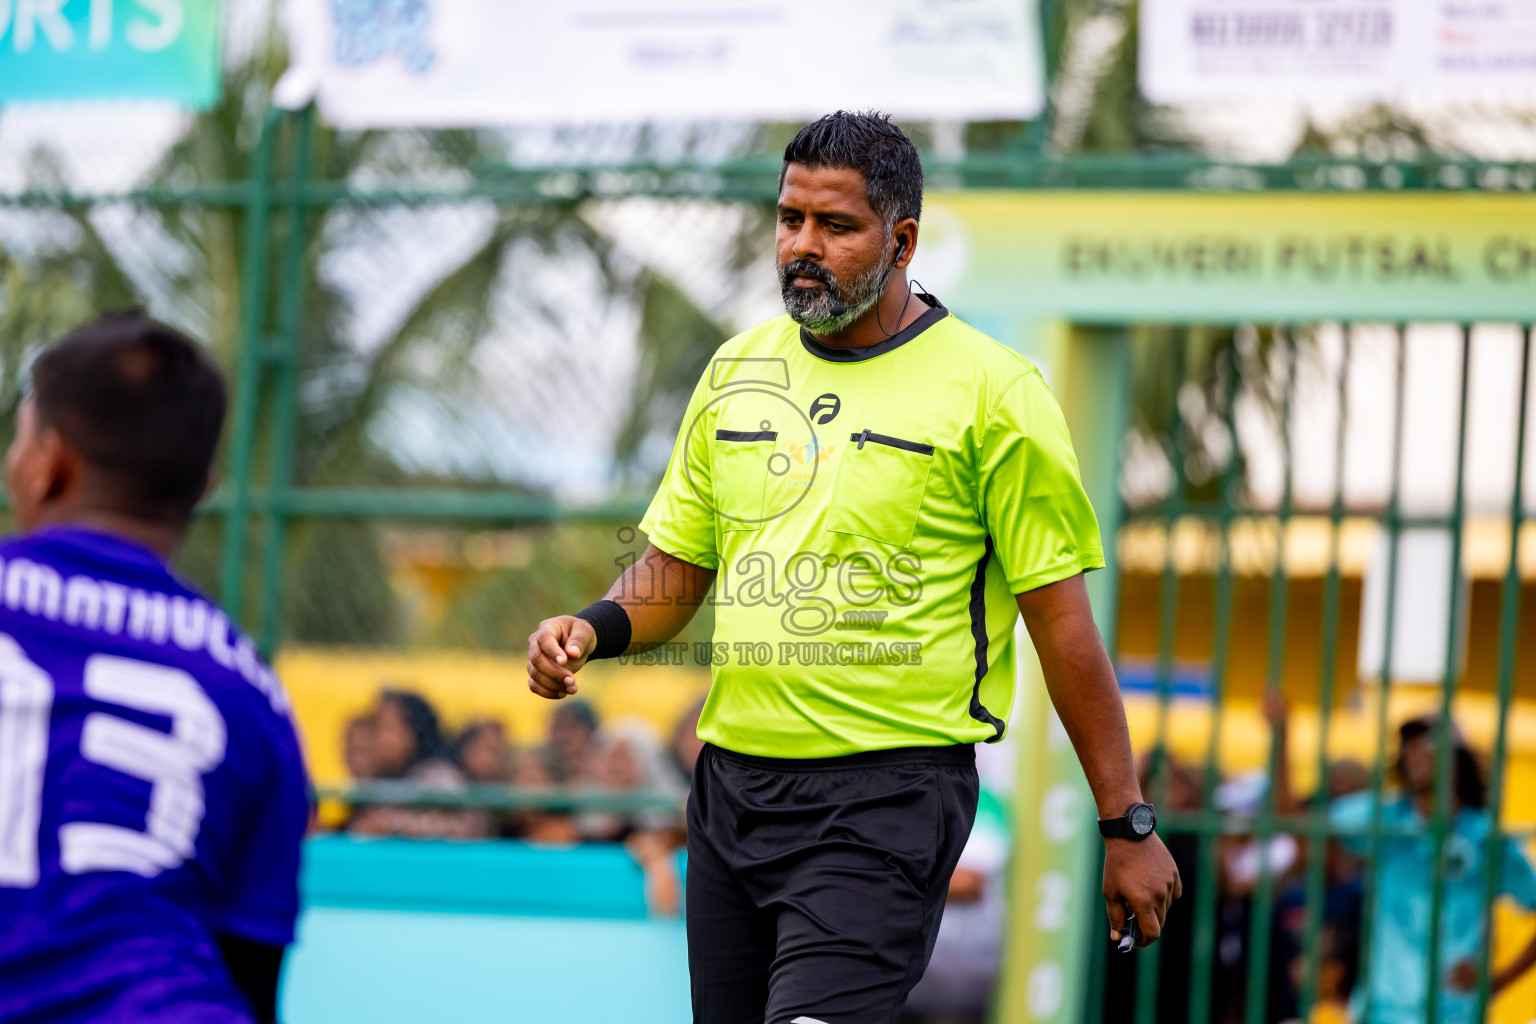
(870, 144)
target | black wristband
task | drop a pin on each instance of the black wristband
(610, 622)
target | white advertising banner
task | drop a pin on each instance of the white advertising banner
(446, 63)
(1194, 50)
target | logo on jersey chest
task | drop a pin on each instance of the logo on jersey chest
(825, 409)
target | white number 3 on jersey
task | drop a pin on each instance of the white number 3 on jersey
(173, 763)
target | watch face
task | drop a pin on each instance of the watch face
(1142, 819)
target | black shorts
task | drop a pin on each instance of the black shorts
(815, 887)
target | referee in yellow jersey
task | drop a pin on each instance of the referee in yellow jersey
(869, 491)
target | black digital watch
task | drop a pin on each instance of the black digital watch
(1138, 822)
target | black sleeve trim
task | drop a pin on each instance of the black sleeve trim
(979, 635)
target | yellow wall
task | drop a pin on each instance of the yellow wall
(330, 686)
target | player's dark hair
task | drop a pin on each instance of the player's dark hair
(870, 144)
(141, 403)
(1466, 774)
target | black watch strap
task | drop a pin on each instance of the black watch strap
(1138, 822)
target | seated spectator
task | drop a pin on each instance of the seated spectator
(407, 745)
(406, 734)
(485, 759)
(360, 749)
(627, 761)
(565, 759)
(686, 745)
(482, 752)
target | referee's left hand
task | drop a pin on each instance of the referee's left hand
(1140, 875)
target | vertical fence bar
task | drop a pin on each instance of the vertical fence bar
(1204, 937)
(1120, 367)
(242, 438)
(1317, 818)
(1394, 526)
(1440, 826)
(1509, 639)
(1255, 1003)
(284, 411)
(1148, 958)
(1053, 39)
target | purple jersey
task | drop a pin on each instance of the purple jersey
(152, 791)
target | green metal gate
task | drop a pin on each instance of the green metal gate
(1190, 404)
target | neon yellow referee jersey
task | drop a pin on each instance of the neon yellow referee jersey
(871, 513)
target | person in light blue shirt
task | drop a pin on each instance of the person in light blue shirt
(1397, 986)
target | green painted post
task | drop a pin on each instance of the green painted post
(1148, 959)
(284, 411)
(1440, 827)
(1317, 818)
(1204, 939)
(1394, 526)
(1106, 356)
(1279, 595)
(1509, 638)
(1045, 972)
(248, 374)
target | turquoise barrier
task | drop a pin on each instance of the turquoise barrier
(413, 931)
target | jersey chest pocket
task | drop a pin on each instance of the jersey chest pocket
(740, 476)
(879, 489)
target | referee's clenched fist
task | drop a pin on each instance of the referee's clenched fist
(882, 490)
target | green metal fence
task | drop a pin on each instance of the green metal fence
(1219, 501)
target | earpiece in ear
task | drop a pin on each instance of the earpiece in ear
(901, 247)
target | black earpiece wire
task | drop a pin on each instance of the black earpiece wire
(901, 247)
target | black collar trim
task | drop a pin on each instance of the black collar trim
(835, 354)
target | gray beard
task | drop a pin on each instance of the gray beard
(824, 311)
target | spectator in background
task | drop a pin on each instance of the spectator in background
(407, 745)
(406, 734)
(1398, 988)
(482, 752)
(1181, 790)
(686, 745)
(627, 761)
(958, 985)
(655, 844)
(359, 748)
(630, 763)
(1343, 896)
(565, 759)
(485, 759)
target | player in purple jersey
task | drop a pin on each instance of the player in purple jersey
(152, 793)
